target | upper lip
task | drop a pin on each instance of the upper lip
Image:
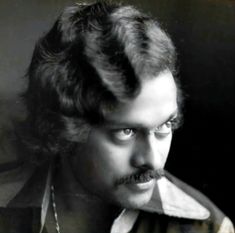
(141, 177)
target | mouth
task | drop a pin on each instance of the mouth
(141, 186)
(141, 178)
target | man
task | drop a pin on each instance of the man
(103, 102)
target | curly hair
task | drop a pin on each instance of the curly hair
(93, 58)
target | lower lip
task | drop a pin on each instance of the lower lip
(140, 187)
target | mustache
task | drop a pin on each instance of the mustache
(141, 177)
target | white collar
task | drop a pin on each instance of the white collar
(172, 200)
(171, 197)
(168, 199)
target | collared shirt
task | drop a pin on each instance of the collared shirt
(26, 196)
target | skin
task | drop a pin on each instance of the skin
(135, 138)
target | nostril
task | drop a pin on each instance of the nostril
(141, 161)
(146, 167)
(137, 161)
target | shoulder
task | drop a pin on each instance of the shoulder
(13, 177)
(183, 207)
(217, 220)
(24, 197)
(23, 184)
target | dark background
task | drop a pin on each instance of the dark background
(204, 34)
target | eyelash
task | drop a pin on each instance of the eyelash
(172, 124)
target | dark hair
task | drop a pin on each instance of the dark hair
(93, 58)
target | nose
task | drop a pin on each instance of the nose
(148, 153)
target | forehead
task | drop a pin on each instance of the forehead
(156, 101)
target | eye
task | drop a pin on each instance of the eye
(165, 129)
(124, 134)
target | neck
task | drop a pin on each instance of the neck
(76, 208)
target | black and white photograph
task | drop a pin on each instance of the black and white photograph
(117, 116)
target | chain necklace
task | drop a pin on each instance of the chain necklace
(57, 226)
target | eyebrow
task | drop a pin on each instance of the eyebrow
(115, 123)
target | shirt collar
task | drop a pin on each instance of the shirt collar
(174, 198)
(170, 198)
(125, 221)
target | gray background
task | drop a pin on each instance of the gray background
(204, 33)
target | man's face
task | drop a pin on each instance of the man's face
(136, 138)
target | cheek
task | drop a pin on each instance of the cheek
(165, 147)
(108, 158)
(167, 144)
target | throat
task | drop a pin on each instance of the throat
(76, 210)
(78, 215)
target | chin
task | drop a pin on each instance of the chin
(134, 201)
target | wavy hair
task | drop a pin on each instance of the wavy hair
(92, 59)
